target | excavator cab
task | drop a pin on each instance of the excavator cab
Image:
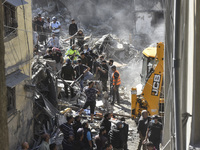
(150, 98)
(149, 60)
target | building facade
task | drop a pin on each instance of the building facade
(18, 56)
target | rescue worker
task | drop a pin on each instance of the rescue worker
(72, 54)
(116, 83)
(55, 27)
(72, 30)
(154, 132)
(142, 128)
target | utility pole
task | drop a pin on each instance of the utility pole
(3, 96)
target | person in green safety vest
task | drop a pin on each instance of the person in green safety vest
(72, 54)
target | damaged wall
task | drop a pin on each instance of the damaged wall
(19, 52)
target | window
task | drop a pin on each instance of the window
(10, 20)
(11, 100)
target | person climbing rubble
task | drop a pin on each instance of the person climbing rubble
(55, 27)
(82, 72)
(80, 39)
(116, 83)
(45, 142)
(91, 99)
(100, 139)
(72, 54)
(67, 73)
(67, 130)
(142, 128)
(72, 30)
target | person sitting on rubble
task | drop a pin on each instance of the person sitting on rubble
(80, 39)
(87, 139)
(103, 71)
(125, 129)
(72, 30)
(115, 136)
(72, 54)
(100, 139)
(84, 60)
(67, 73)
(78, 143)
(53, 42)
(45, 142)
(25, 146)
(82, 72)
(91, 99)
(57, 56)
(55, 27)
(77, 124)
(68, 132)
(49, 55)
(53, 146)
(106, 123)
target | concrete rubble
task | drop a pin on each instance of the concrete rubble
(51, 106)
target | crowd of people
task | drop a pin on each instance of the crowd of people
(149, 129)
(79, 63)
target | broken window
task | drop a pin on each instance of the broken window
(10, 20)
(11, 100)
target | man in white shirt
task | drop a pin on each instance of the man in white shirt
(55, 27)
(53, 41)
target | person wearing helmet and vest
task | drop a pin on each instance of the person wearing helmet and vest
(116, 83)
(72, 54)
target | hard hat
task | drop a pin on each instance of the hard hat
(54, 18)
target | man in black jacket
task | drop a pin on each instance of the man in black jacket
(67, 73)
(106, 123)
(116, 138)
(72, 30)
(125, 128)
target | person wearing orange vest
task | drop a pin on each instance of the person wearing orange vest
(116, 83)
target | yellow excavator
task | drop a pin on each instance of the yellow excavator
(151, 97)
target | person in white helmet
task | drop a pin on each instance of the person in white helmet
(55, 27)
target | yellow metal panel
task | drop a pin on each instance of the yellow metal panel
(152, 89)
(150, 52)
